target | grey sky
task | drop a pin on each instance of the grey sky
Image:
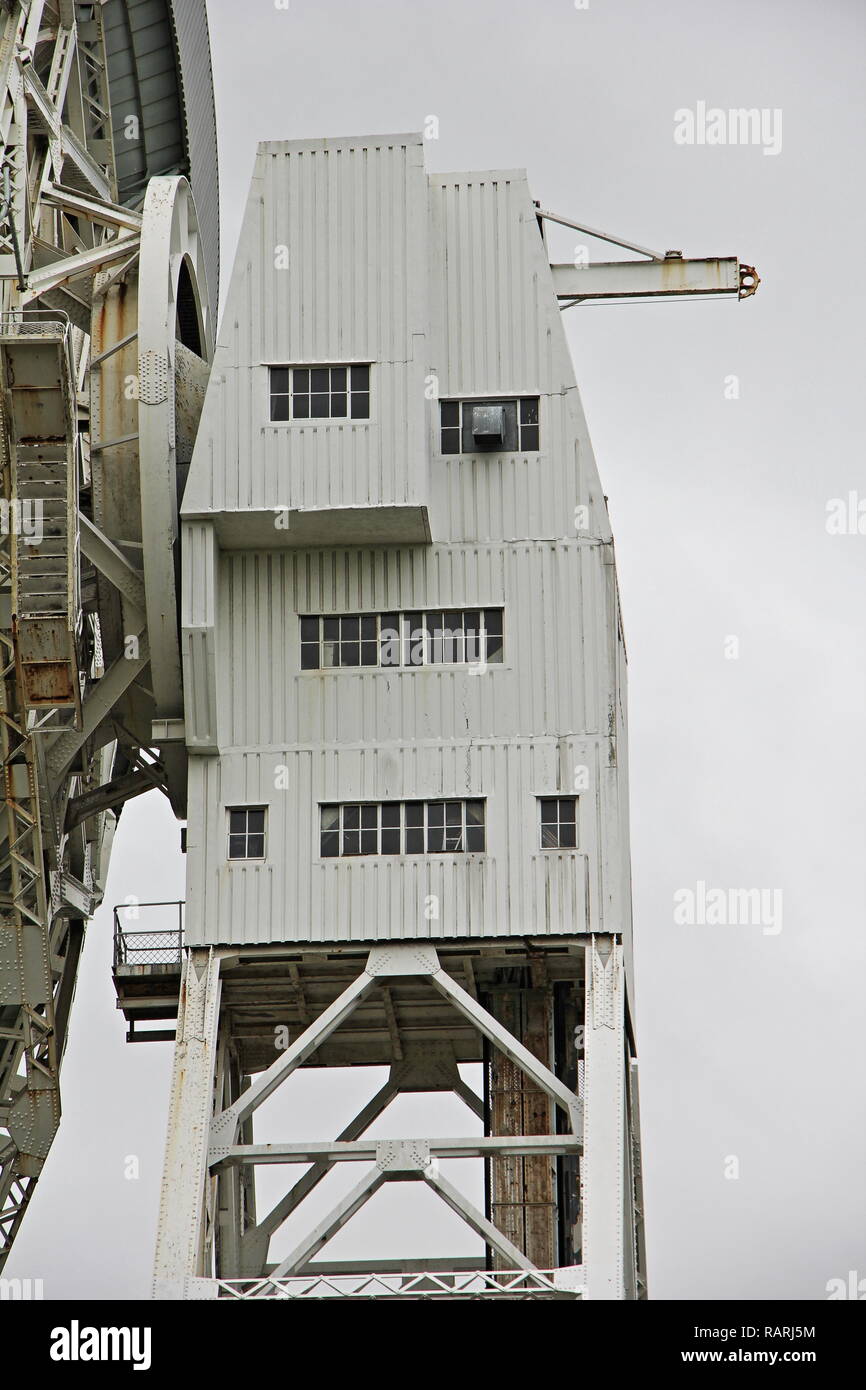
(745, 772)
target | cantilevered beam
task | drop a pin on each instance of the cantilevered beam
(674, 277)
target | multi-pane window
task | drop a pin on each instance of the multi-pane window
(246, 832)
(402, 827)
(433, 637)
(320, 393)
(558, 822)
(502, 426)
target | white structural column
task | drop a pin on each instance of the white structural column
(181, 1233)
(604, 1122)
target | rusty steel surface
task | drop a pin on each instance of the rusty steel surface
(522, 1190)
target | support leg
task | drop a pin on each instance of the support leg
(603, 1163)
(183, 1237)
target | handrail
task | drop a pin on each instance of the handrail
(139, 946)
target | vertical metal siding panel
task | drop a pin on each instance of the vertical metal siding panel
(514, 497)
(410, 733)
(333, 335)
(591, 596)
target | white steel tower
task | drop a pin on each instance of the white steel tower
(405, 721)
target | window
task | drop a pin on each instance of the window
(246, 832)
(558, 822)
(472, 427)
(434, 637)
(320, 393)
(402, 827)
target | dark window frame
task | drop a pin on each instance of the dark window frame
(525, 425)
(381, 829)
(329, 392)
(246, 826)
(558, 822)
(428, 637)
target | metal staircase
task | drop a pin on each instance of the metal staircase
(41, 439)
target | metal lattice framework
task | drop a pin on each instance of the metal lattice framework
(104, 308)
(211, 1242)
(427, 1284)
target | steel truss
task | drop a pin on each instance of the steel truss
(210, 1241)
(90, 293)
(427, 1284)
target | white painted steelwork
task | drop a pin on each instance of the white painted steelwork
(350, 254)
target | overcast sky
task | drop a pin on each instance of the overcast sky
(747, 770)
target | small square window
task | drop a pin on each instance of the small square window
(246, 832)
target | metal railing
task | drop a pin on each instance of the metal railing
(134, 945)
(566, 1283)
(35, 323)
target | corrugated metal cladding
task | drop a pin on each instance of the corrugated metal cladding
(263, 697)
(444, 281)
(331, 267)
(514, 887)
(159, 71)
